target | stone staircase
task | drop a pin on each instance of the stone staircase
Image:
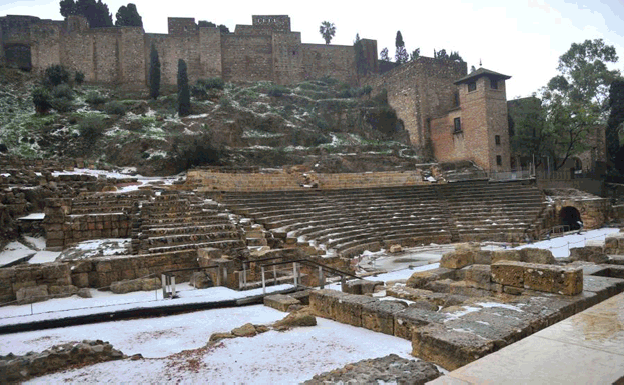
(177, 221)
(349, 221)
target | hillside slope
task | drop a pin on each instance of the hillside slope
(324, 124)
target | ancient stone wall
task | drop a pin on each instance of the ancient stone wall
(247, 57)
(335, 61)
(61, 279)
(208, 180)
(420, 91)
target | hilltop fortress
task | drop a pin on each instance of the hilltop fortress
(449, 113)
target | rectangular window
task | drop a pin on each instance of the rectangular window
(457, 123)
(497, 140)
(456, 99)
(499, 160)
(494, 84)
(472, 86)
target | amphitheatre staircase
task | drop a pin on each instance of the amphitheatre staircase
(349, 221)
(176, 222)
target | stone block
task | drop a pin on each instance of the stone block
(458, 259)
(148, 284)
(280, 302)
(349, 309)
(201, 280)
(508, 273)
(593, 254)
(302, 296)
(128, 286)
(483, 257)
(396, 248)
(209, 253)
(440, 286)
(361, 286)
(80, 279)
(506, 255)
(56, 270)
(325, 302)
(419, 279)
(534, 255)
(411, 294)
(378, 316)
(553, 279)
(32, 294)
(479, 274)
(62, 291)
(411, 319)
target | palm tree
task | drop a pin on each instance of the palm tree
(328, 31)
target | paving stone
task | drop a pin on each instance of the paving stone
(280, 302)
(379, 315)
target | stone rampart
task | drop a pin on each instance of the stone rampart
(265, 51)
(213, 181)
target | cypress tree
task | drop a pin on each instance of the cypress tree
(154, 75)
(184, 97)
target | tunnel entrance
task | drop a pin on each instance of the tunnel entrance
(570, 216)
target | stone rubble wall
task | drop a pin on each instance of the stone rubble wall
(14, 369)
(39, 282)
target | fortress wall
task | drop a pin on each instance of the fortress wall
(401, 89)
(420, 90)
(449, 146)
(45, 46)
(247, 58)
(131, 59)
(210, 52)
(287, 57)
(170, 49)
(77, 53)
(498, 124)
(105, 58)
(336, 61)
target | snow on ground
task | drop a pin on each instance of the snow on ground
(560, 247)
(14, 251)
(103, 302)
(33, 217)
(126, 173)
(44, 257)
(38, 242)
(272, 357)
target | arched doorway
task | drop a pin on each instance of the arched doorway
(570, 216)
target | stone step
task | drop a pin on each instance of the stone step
(188, 229)
(221, 244)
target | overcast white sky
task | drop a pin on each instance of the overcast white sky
(521, 38)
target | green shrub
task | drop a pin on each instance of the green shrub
(277, 90)
(79, 77)
(55, 75)
(328, 80)
(63, 91)
(62, 104)
(42, 100)
(115, 107)
(91, 128)
(211, 83)
(145, 155)
(95, 98)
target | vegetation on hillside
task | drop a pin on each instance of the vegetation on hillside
(244, 124)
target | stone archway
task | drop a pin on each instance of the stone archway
(570, 216)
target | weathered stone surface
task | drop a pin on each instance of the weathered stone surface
(280, 302)
(201, 280)
(508, 273)
(299, 318)
(410, 319)
(553, 279)
(390, 369)
(207, 254)
(60, 357)
(396, 248)
(303, 296)
(141, 284)
(506, 255)
(361, 286)
(459, 258)
(247, 330)
(148, 284)
(419, 279)
(593, 254)
(379, 315)
(411, 294)
(216, 337)
(534, 255)
(32, 294)
(440, 286)
(62, 291)
(84, 292)
(479, 274)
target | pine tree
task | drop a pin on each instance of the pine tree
(615, 122)
(384, 54)
(184, 96)
(96, 13)
(128, 16)
(401, 53)
(154, 73)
